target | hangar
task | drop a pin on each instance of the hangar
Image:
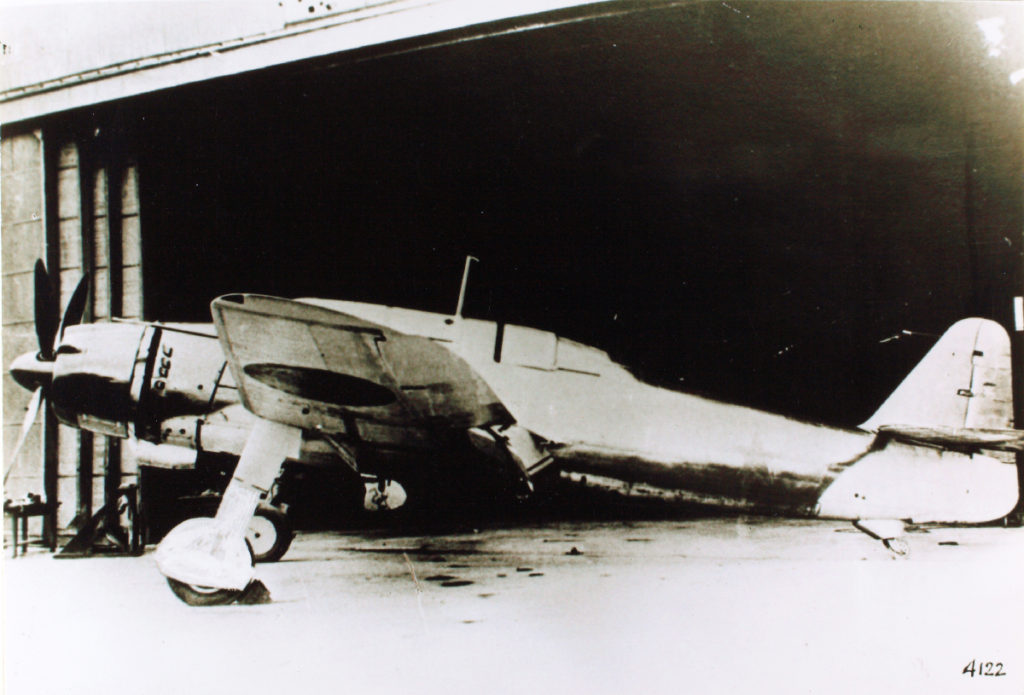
(744, 199)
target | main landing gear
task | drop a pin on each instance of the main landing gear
(209, 561)
(211, 565)
(267, 538)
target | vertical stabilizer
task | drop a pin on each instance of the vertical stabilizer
(963, 382)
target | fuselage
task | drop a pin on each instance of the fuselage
(168, 388)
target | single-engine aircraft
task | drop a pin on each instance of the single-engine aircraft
(280, 379)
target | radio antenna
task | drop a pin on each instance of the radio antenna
(462, 290)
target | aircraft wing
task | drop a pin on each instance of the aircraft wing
(319, 369)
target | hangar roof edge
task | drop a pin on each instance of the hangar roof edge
(375, 24)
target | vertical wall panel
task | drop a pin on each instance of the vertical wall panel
(130, 191)
(100, 230)
(131, 247)
(131, 275)
(68, 453)
(131, 244)
(132, 279)
(72, 265)
(100, 241)
(98, 457)
(101, 293)
(23, 241)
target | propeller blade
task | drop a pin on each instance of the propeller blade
(46, 312)
(76, 306)
(26, 425)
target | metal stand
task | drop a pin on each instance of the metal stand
(103, 534)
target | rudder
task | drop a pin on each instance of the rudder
(963, 382)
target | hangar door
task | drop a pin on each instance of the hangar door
(74, 203)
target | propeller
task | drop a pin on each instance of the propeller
(35, 372)
(30, 418)
(46, 313)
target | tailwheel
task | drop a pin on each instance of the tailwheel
(889, 531)
(269, 534)
(202, 595)
(897, 546)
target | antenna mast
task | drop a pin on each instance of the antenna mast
(462, 290)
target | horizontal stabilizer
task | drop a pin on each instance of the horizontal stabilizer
(958, 437)
(960, 390)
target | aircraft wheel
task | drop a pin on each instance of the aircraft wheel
(202, 595)
(269, 534)
(193, 547)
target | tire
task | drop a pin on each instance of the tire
(269, 534)
(202, 596)
(196, 595)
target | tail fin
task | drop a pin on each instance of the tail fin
(963, 383)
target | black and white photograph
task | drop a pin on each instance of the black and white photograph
(538, 346)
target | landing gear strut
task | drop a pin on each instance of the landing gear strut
(208, 561)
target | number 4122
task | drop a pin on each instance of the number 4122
(984, 668)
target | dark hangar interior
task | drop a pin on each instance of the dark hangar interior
(742, 200)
